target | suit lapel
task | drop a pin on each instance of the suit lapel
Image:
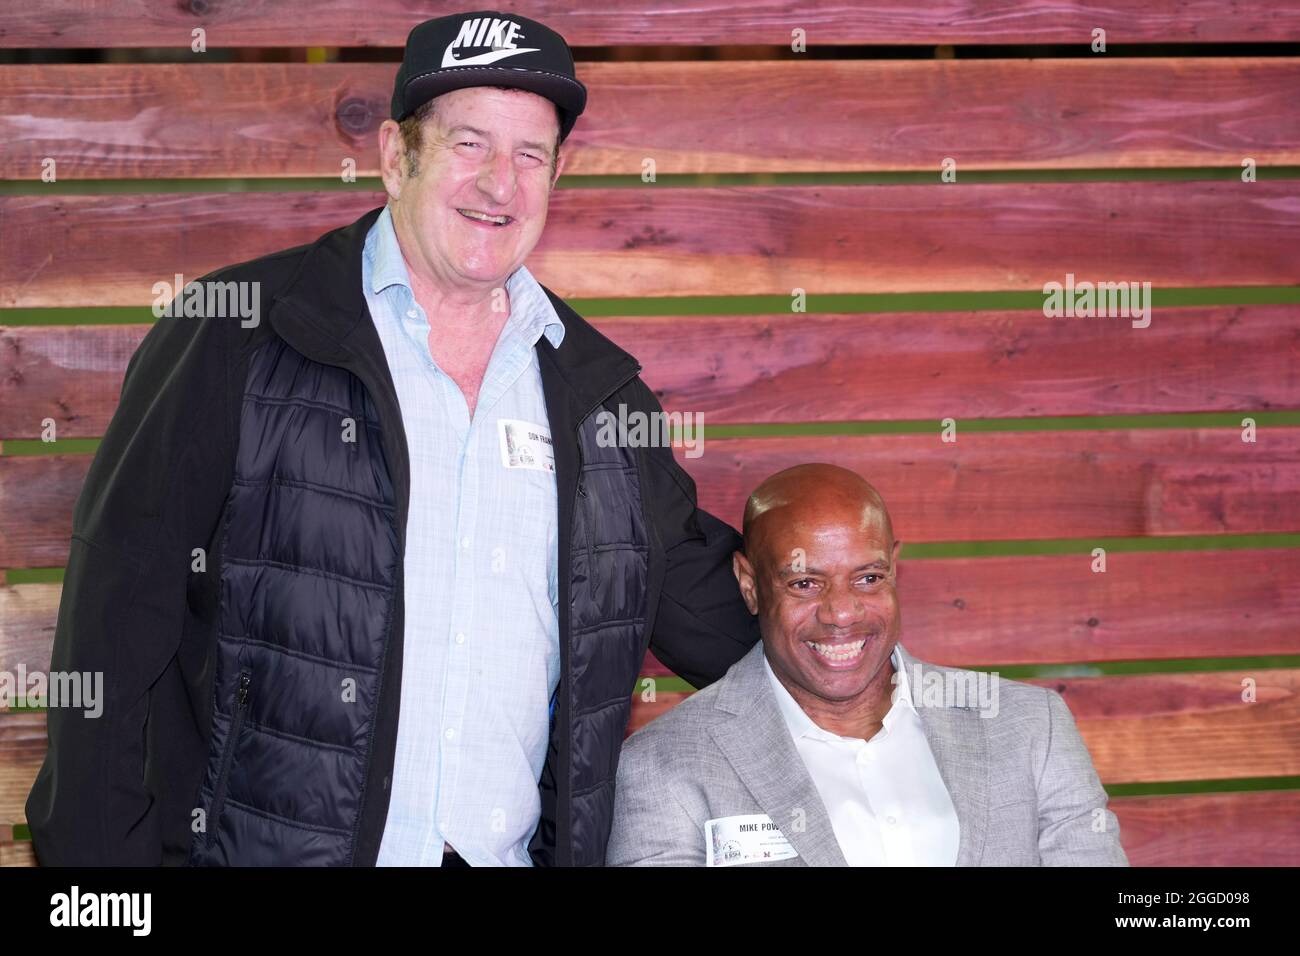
(960, 746)
(757, 743)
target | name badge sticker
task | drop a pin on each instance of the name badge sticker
(525, 445)
(748, 838)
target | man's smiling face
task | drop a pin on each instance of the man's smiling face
(477, 203)
(819, 569)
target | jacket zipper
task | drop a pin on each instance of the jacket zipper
(237, 723)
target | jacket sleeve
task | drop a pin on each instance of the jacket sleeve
(151, 495)
(651, 827)
(701, 626)
(1075, 827)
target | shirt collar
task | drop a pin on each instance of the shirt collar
(531, 309)
(801, 725)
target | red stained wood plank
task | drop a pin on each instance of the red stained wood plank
(1188, 726)
(1163, 727)
(157, 23)
(1213, 829)
(23, 743)
(807, 368)
(1146, 606)
(1221, 829)
(907, 366)
(37, 495)
(985, 486)
(71, 374)
(75, 250)
(297, 119)
(21, 853)
(1024, 485)
(1054, 609)
(28, 613)
(1171, 728)
(985, 612)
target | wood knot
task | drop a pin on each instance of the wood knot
(357, 116)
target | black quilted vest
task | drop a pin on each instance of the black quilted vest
(310, 617)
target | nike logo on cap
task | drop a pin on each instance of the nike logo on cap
(480, 32)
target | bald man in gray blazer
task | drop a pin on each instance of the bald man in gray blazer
(828, 744)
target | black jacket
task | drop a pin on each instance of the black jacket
(222, 738)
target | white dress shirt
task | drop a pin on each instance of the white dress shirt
(887, 802)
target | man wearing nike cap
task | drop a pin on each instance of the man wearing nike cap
(406, 510)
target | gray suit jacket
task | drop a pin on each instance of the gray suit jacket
(1022, 781)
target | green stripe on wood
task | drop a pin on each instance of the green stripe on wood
(1022, 672)
(956, 549)
(1199, 542)
(666, 685)
(1185, 665)
(674, 684)
(967, 301)
(26, 447)
(676, 180)
(1202, 786)
(1043, 424)
(679, 685)
(755, 304)
(113, 315)
(33, 576)
(23, 833)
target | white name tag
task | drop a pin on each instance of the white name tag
(525, 445)
(749, 838)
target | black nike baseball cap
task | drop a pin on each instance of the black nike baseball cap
(488, 48)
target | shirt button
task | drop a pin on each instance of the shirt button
(460, 638)
(412, 314)
(891, 820)
(464, 542)
(450, 733)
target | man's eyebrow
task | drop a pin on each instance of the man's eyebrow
(879, 563)
(789, 572)
(541, 147)
(788, 569)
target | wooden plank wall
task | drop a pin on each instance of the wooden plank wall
(780, 171)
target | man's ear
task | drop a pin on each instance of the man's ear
(893, 559)
(560, 160)
(744, 573)
(391, 151)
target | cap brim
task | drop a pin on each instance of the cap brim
(569, 94)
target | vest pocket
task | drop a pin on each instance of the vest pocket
(228, 754)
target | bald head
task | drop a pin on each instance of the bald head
(819, 569)
(812, 493)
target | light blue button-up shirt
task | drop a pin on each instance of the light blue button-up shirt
(481, 654)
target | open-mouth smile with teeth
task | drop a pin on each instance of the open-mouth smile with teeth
(838, 653)
(476, 216)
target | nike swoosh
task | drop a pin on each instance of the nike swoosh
(483, 58)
